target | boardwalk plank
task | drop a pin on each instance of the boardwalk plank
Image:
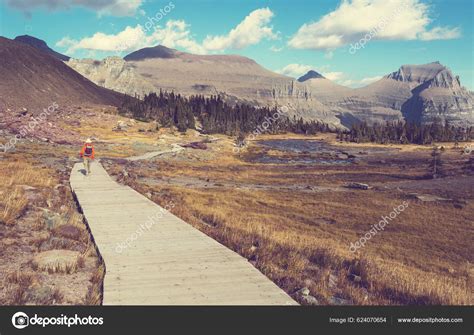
(167, 263)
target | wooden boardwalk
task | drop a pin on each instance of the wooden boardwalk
(154, 258)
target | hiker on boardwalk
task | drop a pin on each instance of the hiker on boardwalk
(87, 153)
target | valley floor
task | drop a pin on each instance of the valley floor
(296, 221)
(289, 212)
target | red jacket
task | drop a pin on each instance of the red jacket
(89, 153)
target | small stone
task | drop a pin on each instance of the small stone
(332, 281)
(310, 300)
(304, 291)
(355, 278)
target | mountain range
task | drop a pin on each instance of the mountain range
(418, 93)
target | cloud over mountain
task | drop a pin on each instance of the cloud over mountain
(380, 19)
(177, 34)
(250, 31)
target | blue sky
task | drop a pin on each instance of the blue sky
(290, 37)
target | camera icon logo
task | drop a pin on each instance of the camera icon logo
(20, 320)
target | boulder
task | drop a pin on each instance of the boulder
(121, 126)
(355, 278)
(358, 186)
(52, 219)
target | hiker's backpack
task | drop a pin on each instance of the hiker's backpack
(88, 151)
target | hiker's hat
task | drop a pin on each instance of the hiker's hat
(88, 140)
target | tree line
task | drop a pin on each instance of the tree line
(214, 115)
(241, 119)
(401, 132)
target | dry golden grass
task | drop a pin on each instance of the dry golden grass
(12, 204)
(23, 278)
(30, 195)
(95, 292)
(16, 174)
(292, 247)
(23, 172)
(301, 239)
(23, 287)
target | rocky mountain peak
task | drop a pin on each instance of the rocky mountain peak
(158, 51)
(431, 75)
(40, 45)
(417, 73)
(311, 74)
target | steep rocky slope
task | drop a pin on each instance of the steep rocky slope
(113, 73)
(34, 79)
(417, 93)
(436, 94)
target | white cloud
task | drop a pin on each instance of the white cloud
(329, 54)
(177, 34)
(369, 80)
(334, 76)
(385, 19)
(360, 82)
(297, 70)
(128, 39)
(275, 48)
(102, 7)
(250, 31)
(294, 70)
(440, 33)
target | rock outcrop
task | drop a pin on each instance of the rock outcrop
(113, 73)
(417, 93)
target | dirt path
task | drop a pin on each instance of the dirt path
(149, 155)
